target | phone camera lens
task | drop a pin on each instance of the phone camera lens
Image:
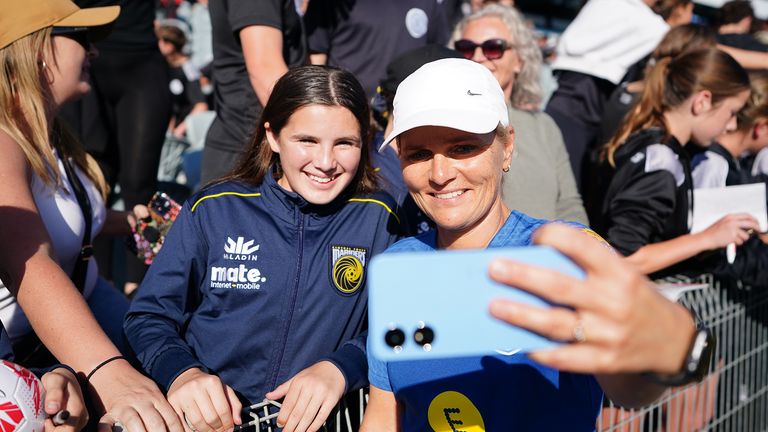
(394, 338)
(424, 336)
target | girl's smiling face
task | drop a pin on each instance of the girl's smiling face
(320, 149)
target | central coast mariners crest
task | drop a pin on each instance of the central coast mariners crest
(347, 268)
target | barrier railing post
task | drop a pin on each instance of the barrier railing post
(734, 397)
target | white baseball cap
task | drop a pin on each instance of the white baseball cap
(455, 93)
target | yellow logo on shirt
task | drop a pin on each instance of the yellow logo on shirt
(451, 411)
(347, 268)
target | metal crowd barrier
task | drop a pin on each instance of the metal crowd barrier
(734, 397)
(346, 417)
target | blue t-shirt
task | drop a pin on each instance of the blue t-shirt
(495, 392)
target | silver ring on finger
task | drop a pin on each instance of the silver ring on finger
(579, 332)
(189, 425)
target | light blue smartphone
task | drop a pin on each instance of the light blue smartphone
(425, 305)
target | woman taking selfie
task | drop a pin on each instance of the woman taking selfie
(454, 142)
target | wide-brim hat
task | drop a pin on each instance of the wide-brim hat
(20, 18)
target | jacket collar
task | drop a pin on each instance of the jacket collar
(290, 204)
(646, 137)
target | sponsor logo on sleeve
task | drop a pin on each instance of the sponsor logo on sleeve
(238, 271)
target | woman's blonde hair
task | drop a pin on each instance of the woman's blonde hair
(27, 101)
(526, 92)
(671, 82)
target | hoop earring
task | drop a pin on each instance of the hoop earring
(45, 71)
(505, 169)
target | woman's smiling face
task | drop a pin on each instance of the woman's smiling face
(454, 176)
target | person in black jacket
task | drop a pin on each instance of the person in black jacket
(648, 205)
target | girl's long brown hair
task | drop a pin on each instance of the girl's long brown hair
(671, 82)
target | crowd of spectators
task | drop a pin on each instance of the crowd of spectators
(335, 133)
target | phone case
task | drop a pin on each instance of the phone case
(150, 234)
(435, 304)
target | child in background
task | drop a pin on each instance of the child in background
(724, 163)
(186, 93)
(647, 210)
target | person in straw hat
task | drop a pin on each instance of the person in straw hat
(52, 205)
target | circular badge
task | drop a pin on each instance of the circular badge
(450, 411)
(176, 86)
(348, 274)
(416, 22)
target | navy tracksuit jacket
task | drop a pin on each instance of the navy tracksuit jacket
(254, 284)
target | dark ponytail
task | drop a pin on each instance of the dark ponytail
(647, 112)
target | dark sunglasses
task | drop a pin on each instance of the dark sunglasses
(492, 48)
(78, 34)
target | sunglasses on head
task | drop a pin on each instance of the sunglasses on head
(492, 48)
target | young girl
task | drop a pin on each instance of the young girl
(682, 38)
(648, 207)
(186, 94)
(720, 165)
(259, 289)
(724, 163)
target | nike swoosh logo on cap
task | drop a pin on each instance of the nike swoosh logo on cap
(469, 92)
(508, 353)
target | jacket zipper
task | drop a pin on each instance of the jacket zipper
(294, 294)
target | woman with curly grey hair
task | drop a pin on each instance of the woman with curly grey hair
(540, 181)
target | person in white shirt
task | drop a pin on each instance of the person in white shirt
(594, 53)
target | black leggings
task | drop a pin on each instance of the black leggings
(123, 122)
(124, 127)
